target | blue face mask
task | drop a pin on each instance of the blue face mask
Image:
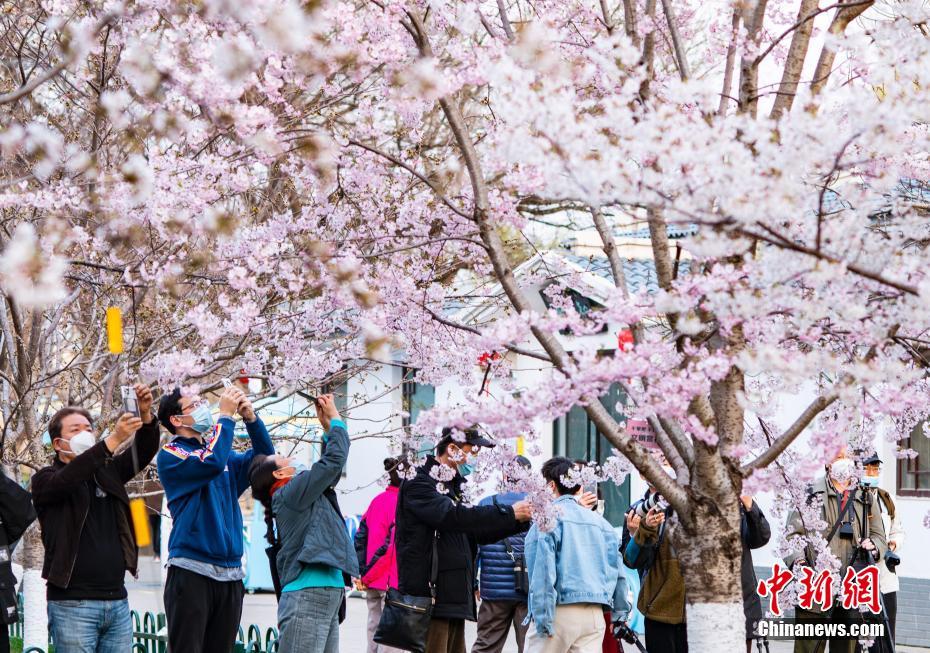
(465, 469)
(298, 468)
(871, 481)
(203, 419)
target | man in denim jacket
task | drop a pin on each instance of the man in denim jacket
(574, 572)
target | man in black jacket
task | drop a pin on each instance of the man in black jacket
(16, 514)
(87, 527)
(431, 505)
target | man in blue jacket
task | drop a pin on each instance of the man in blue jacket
(574, 572)
(203, 478)
(503, 600)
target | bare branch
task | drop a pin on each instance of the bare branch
(730, 64)
(502, 10)
(784, 440)
(680, 56)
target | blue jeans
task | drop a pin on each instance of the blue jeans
(308, 620)
(90, 626)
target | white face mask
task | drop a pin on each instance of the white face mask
(842, 470)
(81, 442)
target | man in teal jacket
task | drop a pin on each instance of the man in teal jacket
(203, 479)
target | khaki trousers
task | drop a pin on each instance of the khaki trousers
(577, 628)
(375, 601)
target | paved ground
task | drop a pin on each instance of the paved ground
(261, 609)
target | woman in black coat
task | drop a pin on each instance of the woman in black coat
(16, 514)
(755, 533)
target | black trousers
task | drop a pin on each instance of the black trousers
(666, 638)
(891, 610)
(203, 614)
(4, 638)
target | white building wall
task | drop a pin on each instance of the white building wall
(374, 421)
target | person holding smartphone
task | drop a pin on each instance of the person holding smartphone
(87, 528)
(203, 478)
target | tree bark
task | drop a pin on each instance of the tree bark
(35, 610)
(794, 65)
(844, 16)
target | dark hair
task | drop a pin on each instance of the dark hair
(511, 469)
(447, 439)
(393, 467)
(261, 478)
(54, 426)
(168, 407)
(554, 469)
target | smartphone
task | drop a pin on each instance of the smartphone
(130, 403)
(227, 383)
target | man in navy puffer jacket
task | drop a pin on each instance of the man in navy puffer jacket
(502, 603)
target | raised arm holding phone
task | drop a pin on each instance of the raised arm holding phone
(203, 478)
(87, 529)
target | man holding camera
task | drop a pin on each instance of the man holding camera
(854, 533)
(86, 525)
(647, 549)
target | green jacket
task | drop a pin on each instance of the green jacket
(662, 594)
(841, 547)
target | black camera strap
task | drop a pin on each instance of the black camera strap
(845, 511)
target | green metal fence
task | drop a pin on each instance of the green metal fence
(146, 637)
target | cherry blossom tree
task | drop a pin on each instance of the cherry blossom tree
(288, 187)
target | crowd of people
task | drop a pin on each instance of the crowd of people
(427, 560)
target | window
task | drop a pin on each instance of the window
(415, 398)
(583, 306)
(576, 437)
(914, 473)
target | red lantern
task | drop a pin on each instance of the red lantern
(488, 357)
(625, 340)
(242, 378)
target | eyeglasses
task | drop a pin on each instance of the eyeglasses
(194, 406)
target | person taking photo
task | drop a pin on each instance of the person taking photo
(432, 513)
(315, 555)
(203, 478)
(87, 529)
(574, 571)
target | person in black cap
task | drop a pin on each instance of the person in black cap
(887, 576)
(431, 509)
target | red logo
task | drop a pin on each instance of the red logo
(861, 588)
(816, 589)
(771, 587)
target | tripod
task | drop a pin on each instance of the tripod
(887, 642)
(859, 556)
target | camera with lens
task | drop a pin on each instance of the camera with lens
(846, 530)
(654, 500)
(892, 560)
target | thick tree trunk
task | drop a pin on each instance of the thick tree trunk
(710, 556)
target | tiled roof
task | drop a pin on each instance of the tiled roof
(674, 232)
(639, 272)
